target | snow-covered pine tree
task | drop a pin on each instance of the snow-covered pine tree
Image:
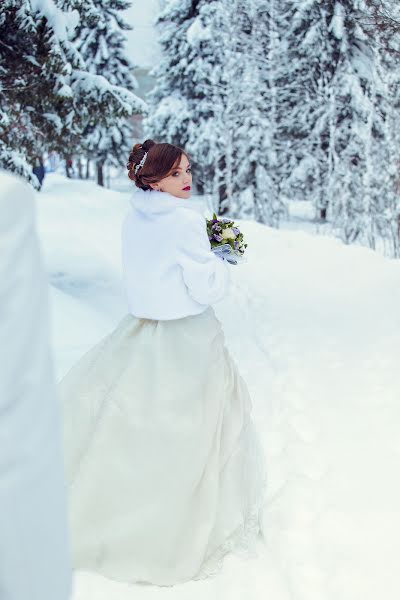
(244, 35)
(382, 25)
(47, 96)
(256, 177)
(331, 117)
(101, 42)
(212, 125)
(240, 110)
(169, 116)
(303, 107)
(357, 126)
(31, 69)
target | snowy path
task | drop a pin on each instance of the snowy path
(334, 335)
(314, 328)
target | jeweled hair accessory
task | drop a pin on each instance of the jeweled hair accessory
(140, 165)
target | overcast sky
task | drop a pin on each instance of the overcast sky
(142, 41)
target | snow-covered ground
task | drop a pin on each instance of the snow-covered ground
(314, 327)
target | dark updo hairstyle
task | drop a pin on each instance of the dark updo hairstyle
(161, 159)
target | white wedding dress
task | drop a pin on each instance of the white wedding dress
(166, 469)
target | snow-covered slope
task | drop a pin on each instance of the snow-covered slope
(314, 328)
(79, 225)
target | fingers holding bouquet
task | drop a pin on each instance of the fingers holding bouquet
(226, 240)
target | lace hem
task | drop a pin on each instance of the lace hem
(242, 542)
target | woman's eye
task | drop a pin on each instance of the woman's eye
(177, 172)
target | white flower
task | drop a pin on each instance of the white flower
(228, 234)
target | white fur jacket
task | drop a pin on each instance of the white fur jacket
(169, 269)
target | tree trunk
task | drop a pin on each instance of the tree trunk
(80, 169)
(87, 169)
(100, 173)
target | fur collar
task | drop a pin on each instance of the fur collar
(152, 202)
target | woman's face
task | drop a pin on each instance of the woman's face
(176, 182)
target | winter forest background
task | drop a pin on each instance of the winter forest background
(275, 101)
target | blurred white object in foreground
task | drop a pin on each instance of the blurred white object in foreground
(34, 550)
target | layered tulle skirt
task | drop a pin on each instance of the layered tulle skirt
(166, 470)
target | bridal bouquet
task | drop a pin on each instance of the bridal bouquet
(226, 240)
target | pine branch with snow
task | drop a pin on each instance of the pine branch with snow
(49, 95)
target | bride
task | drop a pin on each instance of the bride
(166, 470)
